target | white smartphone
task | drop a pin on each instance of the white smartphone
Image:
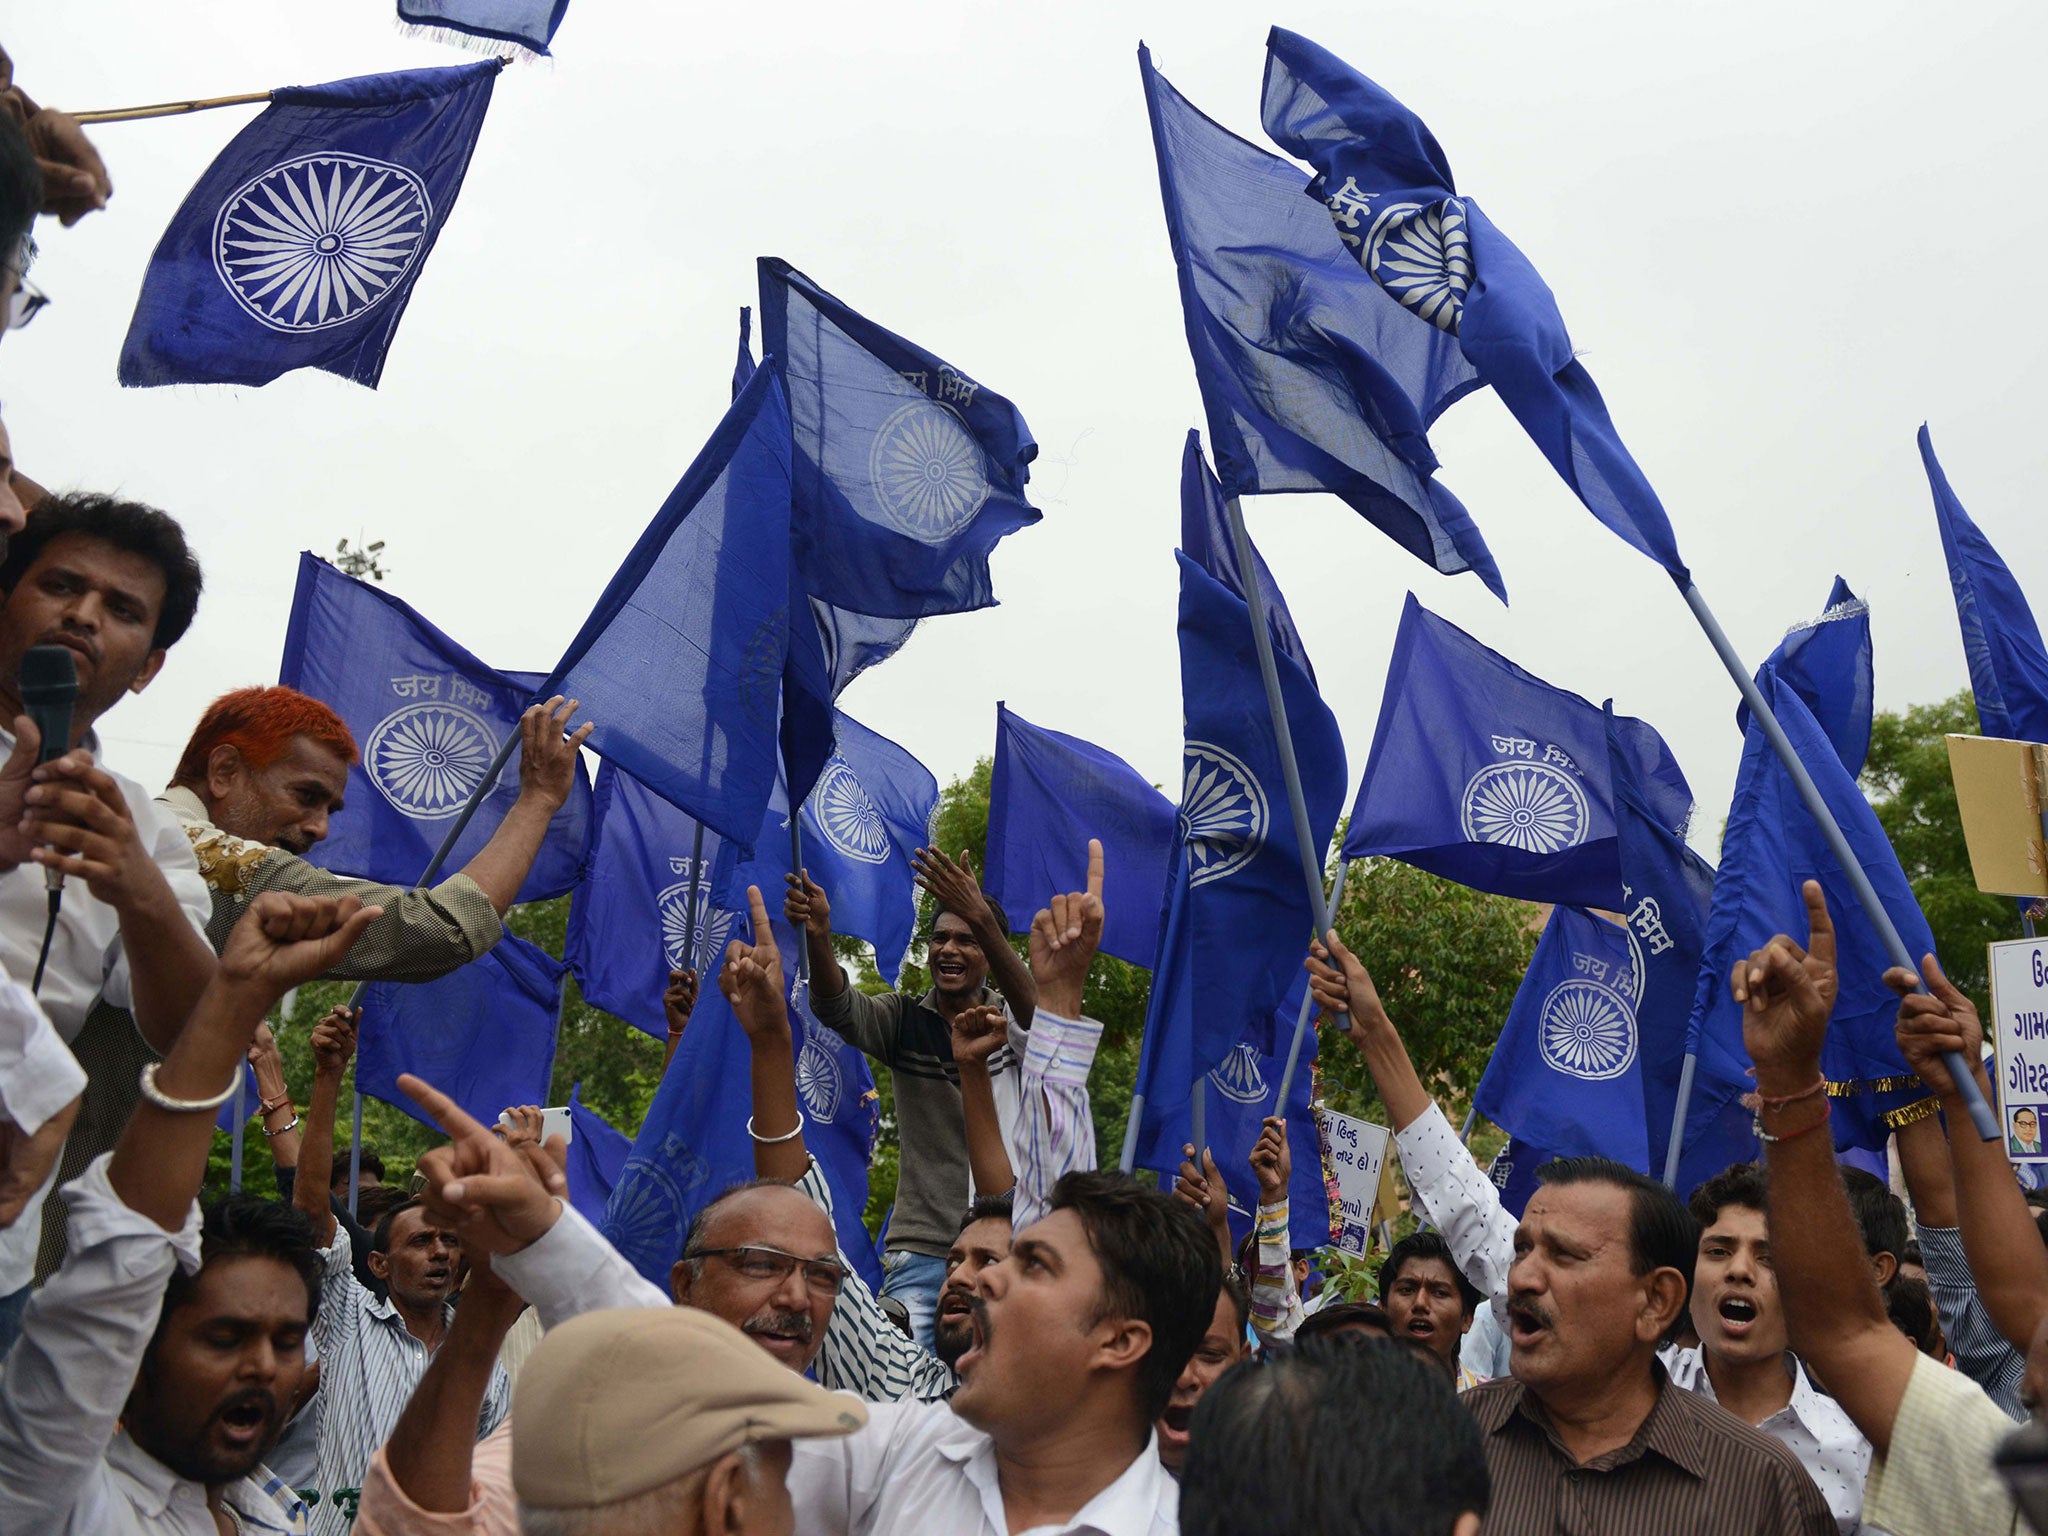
(553, 1123)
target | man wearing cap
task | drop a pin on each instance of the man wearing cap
(671, 1420)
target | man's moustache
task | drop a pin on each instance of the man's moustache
(798, 1323)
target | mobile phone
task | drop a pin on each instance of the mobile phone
(553, 1123)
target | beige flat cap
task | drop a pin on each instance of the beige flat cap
(612, 1404)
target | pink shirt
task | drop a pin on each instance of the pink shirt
(493, 1511)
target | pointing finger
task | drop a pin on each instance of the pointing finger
(1820, 943)
(1095, 867)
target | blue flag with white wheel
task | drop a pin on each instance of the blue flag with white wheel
(1237, 919)
(1392, 200)
(1205, 535)
(300, 245)
(871, 809)
(526, 24)
(597, 1156)
(907, 471)
(1485, 774)
(484, 1034)
(428, 718)
(1828, 662)
(1312, 377)
(633, 918)
(694, 1144)
(1048, 794)
(1566, 1072)
(1513, 1171)
(2001, 642)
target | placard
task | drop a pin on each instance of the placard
(1358, 1150)
(2019, 1011)
(1998, 791)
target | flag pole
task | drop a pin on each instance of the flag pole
(691, 937)
(796, 863)
(355, 1153)
(1129, 1154)
(1809, 794)
(1465, 1131)
(1308, 1003)
(235, 1141)
(1269, 674)
(168, 108)
(1685, 1074)
(1198, 1117)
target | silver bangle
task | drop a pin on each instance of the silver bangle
(771, 1141)
(273, 1135)
(162, 1100)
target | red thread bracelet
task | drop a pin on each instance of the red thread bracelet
(1756, 1124)
(1819, 1085)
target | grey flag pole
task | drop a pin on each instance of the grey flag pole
(796, 864)
(693, 944)
(1465, 1131)
(1198, 1117)
(1308, 1003)
(355, 1153)
(1685, 1074)
(1866, 895)
(235, 1140)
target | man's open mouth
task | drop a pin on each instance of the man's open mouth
(247, 1420)
(1177, 1418)
(955, 1304)
(1525, 1323)
(1738, 1313)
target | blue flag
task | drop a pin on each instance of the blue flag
(484, 1034)
(1487, 775)
(1770, 848)
(907, 472)
(597, 1156)
(694, 1142)
(1513, 1172)
(633, 919)
(300, 245)
(428, 718)
(1389, 190)
(528, 24)
(1827, 662)
(1048, 794)
(1566, 1073)
(682, 661)
(872, 808)
(1205, 535)
(1312, 377)
(1237, 917)
(1665, 892)
(2001, 642)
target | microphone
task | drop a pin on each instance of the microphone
(48, 688)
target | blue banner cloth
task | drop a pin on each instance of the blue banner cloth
(1485, 774)
(428, 718)
(1827, 661)
(1513, 1172)
(484, 1034)
(1566, 1072)
(1313, 378)
(528, 24)
(1666, 889)
(907, 472)
(1238, 920)
(681, 663)
(872, 808)
(632, 921)
(1048, 794)
(2001, 641)
(694, 1143)
(300, 245)
(1205, 535)
(1771, 847)
(597, 1156)
(1390, 193)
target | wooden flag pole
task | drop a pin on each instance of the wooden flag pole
(168, 108)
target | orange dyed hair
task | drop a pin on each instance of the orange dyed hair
(260, 723)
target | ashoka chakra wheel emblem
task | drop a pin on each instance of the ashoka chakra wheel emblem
(314, 242)
(818, 1080)
(427, 759)
(1588, 1031)
(1238, 1078)
(849, 819)
(714, 927)
(1422, 255)
(1222, 813)
(1530, 806)
(928, 472)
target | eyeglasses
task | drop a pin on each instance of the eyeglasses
(824, 1276)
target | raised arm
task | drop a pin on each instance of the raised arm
(809, 910)
(678, 1001)
(1343, 985)
(977, 1034)
(1837, 1318)
(952, 884)
(547, 772)
(1202, 1188)
(274, 1110)
(334, 1042)
(2004, 1247)
(751, 980)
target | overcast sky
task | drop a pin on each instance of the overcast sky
(1782, 236)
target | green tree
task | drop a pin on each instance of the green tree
(1907, 778)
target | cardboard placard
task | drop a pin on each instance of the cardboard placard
(1358, 1151)
(1998, 787)
(2019, 1014)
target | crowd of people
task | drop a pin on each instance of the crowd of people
(1056, 1347)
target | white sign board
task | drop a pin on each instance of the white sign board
(2019, 1010)
(1357, 1150)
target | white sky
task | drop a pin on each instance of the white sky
(1782, 236)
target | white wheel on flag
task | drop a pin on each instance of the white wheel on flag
(1588, 1031)
(849, 819)
(1222, 813)
(316, 241)
(427, 759)
(818, 1080)
(645, 1216)
(714, 927)
(1531, 806)
(928, 472)
(1422, 255)
(1238, 1078)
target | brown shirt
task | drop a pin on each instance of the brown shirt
(1692, 1467)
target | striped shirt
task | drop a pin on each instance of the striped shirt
(1276, 1304)
(369, 1365)
(1691, 1467)
(866, 1354)
(1937, 1479)
(1981, 1351)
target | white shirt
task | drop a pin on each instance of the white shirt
(65, 1467)
(38, 1073)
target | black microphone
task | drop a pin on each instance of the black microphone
(48, 688)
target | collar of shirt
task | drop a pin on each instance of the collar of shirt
(1811, 1409)
(385, 1311)
(1665, 1431)
(1130, 1506)
(259, 1499)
